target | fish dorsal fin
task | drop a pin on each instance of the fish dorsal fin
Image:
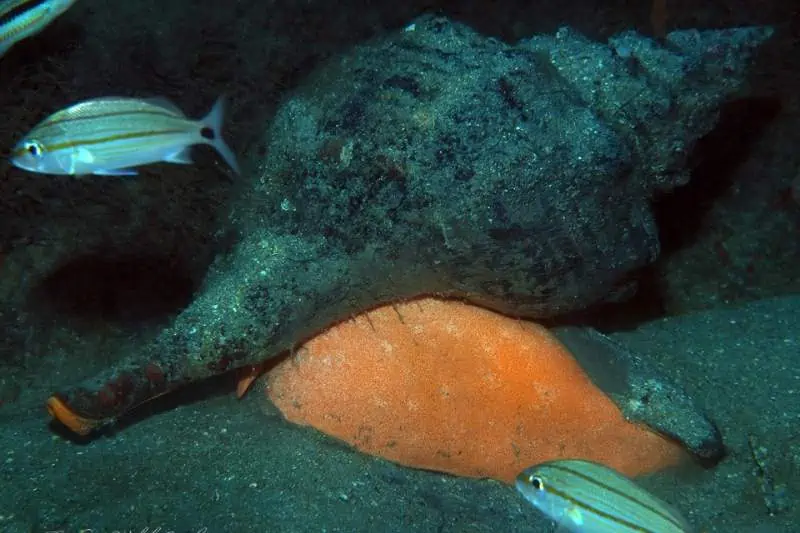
(164, 103)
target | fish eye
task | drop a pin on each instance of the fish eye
(536, 482)
(33, 148)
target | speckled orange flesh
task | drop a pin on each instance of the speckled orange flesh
(447, 386)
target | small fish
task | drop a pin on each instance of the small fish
(110, 136)
(20, 19)
(585, 497)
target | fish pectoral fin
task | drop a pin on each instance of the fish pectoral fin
(570, 518)
(181, 157)
(115, 172)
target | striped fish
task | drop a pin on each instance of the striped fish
(585, 497)
(20, 19)
(110, 136)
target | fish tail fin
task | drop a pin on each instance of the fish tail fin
(213, 122)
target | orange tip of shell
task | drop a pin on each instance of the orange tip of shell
(248, 376)
(78, 424)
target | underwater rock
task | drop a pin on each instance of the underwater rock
(437, 160)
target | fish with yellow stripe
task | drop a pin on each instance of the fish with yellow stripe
(20, 19)
(586, 497)
(112, 135)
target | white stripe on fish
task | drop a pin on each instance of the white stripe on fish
(585, 497)
(110, 136)
(20, 19)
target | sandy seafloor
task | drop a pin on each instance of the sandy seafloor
(217, 464)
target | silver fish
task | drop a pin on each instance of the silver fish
(20, 19)
(586, 497)
(110, 136)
